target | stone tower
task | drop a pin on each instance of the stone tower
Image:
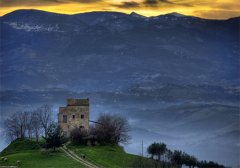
(74, 115)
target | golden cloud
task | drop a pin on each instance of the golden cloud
(219, 9)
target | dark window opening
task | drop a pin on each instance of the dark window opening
(81, 127)
(65, 134)
(73, 116)
(64, 118)
(82, 116)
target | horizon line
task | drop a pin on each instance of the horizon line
(127, 13)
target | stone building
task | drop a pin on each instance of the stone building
(74, 115)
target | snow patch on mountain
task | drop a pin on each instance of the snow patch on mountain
(34, 28)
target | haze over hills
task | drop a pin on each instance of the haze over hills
(175, 77)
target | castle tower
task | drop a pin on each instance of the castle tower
(74, 115)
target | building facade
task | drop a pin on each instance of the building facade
(74, 115)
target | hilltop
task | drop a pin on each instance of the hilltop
(30, 154)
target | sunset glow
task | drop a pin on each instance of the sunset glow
(219, 9)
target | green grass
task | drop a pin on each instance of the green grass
(31, 155)
(109, 156)
(20, 145)
(40, 159)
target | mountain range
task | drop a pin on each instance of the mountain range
(175, 77)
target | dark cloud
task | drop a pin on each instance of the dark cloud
(151, 2)
(84, 1)
(10, 3)
(131, 4)
(156, 2)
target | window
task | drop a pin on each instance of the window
(82, 116)
(65, 134)
(73, 116)
(64, 118)
(81, 127)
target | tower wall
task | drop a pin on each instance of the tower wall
(74, 115)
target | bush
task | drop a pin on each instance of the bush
(53, 138)
(79, 136)
(141, 162)
(111, 129)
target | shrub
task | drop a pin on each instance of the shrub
(53, 138)
(111, 129)
(79, 136)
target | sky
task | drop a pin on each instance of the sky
(211, 9)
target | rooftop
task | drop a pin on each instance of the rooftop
(78, 102)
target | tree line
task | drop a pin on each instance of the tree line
(160, 153)
(30, 124)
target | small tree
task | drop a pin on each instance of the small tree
(16, 125)
(177, 158)
(160, 150)
(188, 160)
(111, 129)
(45, 117)
(29, 124)
(193, 161)
(36, 125)
(11, 127)
(152, 150)
(53, 138)
(157, 149)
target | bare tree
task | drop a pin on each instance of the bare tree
(36, 125)
(16, 125)
(22, 118)
(111, 129)
(45, 117)
(29, 124)
(11, 128)
(122, 128)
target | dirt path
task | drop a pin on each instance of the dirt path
(77, 158)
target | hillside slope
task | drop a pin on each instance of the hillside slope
(30, 154)
(106, 156)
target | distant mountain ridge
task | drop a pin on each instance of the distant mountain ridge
(119, 39)
(179, 75)
(131, 14)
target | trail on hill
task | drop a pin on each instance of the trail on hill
(74, 156)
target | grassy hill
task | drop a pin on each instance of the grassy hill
(20, 145)
(31, 154)
(106, 156)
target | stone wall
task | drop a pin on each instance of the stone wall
(76, 116)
